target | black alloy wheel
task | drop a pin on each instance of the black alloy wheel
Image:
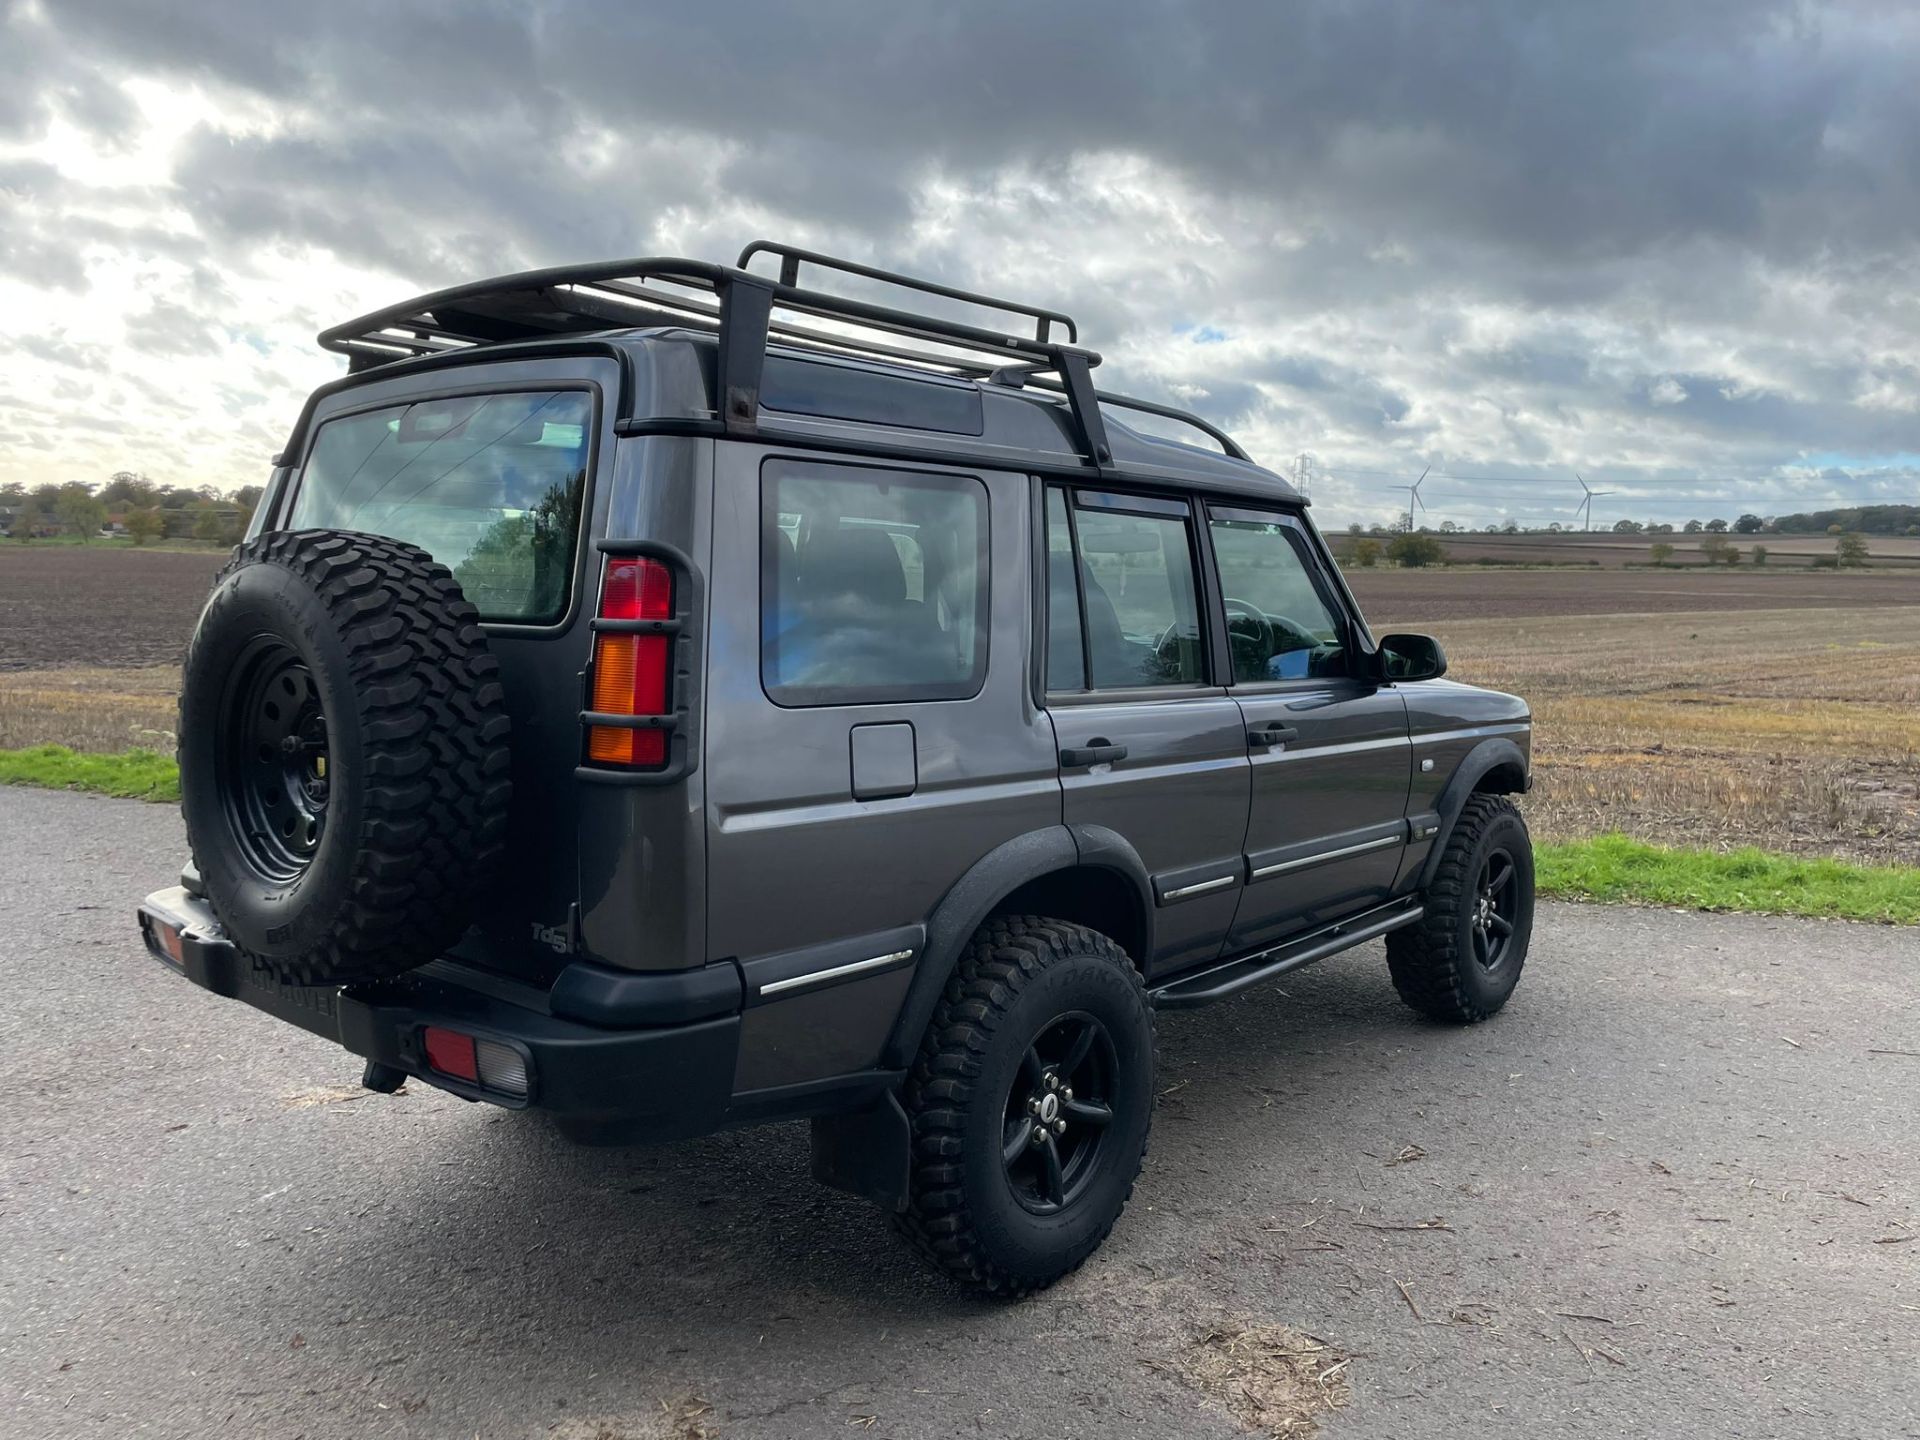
(1058, 1112)
(1496, 903)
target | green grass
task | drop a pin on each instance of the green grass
(132, 774)
(1613, 867)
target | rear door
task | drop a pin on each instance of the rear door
(1330, 756)
(1149, 746)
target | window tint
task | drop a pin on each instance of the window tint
(874, 586)
(1066, 654)
(489, 485)
(1279, 627)
(1142, 618)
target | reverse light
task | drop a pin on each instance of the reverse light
(630, 669)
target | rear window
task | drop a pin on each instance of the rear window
(489, 485)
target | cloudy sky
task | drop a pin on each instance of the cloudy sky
(1670, 247)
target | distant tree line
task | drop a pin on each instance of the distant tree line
(128, 504)
(1862, 520)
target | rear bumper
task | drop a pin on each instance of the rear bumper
(659, 1075)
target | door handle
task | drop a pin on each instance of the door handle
(1272, 733)
(1095, 752)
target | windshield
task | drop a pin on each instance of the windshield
(489, 485)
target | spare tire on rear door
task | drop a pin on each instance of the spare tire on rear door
(343, 755)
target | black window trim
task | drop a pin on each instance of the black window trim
(1157, 506)
(576, 599)
(1314, 561)
(823, 697)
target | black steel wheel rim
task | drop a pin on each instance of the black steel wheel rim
(1496, 903)
(274, 777)
(1059, 1110)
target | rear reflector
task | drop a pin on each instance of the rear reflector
(452, 1053)
(172, 948)
(630, 670)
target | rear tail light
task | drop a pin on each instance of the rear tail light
(486, 1063)
(630, 667)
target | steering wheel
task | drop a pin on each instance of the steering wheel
(1239, 613)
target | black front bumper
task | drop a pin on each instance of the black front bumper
(664, 1070)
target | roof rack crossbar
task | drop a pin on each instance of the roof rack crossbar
(792, 257)
(578, 300)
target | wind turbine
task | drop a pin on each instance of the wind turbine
(1585, 507)
(1413, 497)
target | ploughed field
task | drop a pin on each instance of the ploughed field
(66, 605)
(1775, 708)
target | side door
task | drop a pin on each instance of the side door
(1330, 755)
(1151, 746)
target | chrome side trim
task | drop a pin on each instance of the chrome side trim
(1199, 888)
(1477, 732)
(838, 972)
(1282, 866)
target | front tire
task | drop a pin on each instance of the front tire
(1460, 962)
(1029, 1104)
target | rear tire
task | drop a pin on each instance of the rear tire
(343, 755)
(1030, 1104)
(1460, 962)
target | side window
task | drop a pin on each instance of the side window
(1279, 624)
(873, 585)
(1135, 575)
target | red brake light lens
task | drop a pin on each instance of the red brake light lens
(629, 670)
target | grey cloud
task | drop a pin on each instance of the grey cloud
(1639, 189)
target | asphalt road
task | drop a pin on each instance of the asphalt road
(1648, 1199)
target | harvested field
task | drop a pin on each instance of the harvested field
(1419, 599)
(66, 605)
(89, 707)
(1794, 730)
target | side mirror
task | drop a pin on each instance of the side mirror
(1410, 657)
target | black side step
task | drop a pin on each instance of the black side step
(1218, 982)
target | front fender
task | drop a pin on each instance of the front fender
(1489, 755)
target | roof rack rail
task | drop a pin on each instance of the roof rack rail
(738, 306)
(791, 259)
(1019, 377)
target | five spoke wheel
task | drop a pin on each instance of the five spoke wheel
(1496, 898)
(1057, 1112)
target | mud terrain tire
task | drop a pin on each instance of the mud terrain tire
(343, 755)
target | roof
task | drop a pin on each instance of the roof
(837, 374)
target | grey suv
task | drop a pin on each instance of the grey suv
(674, 696)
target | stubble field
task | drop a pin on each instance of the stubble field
(1718, 709)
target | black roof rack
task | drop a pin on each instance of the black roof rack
(738, 305)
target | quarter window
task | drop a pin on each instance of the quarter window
(1279, 624)
(873, 586)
